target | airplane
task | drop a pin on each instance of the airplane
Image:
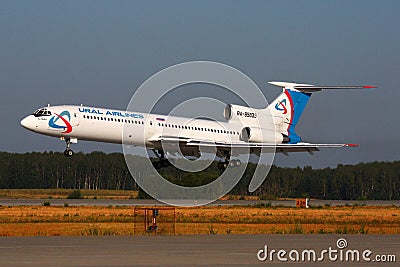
(242, 128)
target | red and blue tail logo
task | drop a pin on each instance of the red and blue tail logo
(65, 118)
(281, 106)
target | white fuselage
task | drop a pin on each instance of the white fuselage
(108, 125)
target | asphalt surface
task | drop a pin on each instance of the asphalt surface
(150, 202)
(203, 250)
(206, 250)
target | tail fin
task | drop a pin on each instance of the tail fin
(287, 108)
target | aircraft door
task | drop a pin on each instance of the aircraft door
(75, 119)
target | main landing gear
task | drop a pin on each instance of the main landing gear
(162, 161)
(68, 151)
(228, 162)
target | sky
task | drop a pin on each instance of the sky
(98, 53)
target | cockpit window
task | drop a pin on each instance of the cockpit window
(42, 112)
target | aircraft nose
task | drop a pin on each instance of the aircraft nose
(27, 122)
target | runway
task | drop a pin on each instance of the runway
(151, 202)
(205, 250)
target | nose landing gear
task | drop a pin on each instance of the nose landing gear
(68, 151)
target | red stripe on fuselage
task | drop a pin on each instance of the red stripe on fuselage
(69, 127)
(291, 108)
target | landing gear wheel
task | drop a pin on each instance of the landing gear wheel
(68, 152)
(221, 166)
(157, 165)
(237, 163)
(225, 164)
(162, 161)
(165, 163)
(232, 163)
(161, 164)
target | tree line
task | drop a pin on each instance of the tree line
(97, 170)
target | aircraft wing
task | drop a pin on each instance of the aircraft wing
(282, 148)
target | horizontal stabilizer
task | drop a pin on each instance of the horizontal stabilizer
(309, 88)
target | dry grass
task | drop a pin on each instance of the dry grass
(63, 193)
(66, 221)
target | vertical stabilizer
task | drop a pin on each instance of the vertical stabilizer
(286, 110)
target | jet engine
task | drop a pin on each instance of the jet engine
(259, 135)
(246, 115)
